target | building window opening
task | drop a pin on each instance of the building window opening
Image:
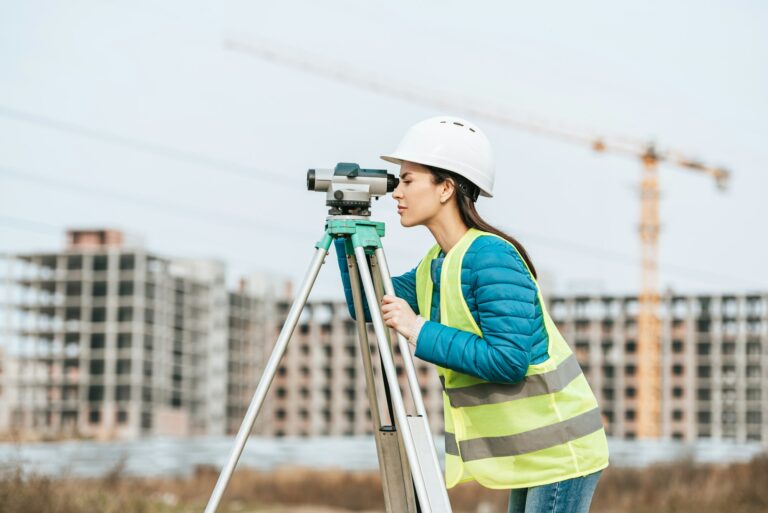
(127, 262)
(99, 289)
(100, 263)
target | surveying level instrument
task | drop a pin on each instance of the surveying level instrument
(406, 451)
(351, 188)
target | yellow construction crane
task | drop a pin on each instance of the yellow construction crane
(648, 332)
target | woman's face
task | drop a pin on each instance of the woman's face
(418, 197)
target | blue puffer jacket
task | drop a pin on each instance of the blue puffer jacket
(503, 300)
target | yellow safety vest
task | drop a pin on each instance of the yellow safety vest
(544, 429)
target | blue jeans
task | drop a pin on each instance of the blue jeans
(569, 496)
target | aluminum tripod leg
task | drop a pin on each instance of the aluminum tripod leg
(433, 477)
(396, 397)
(395, 476)
(378, 285)
(266, 380)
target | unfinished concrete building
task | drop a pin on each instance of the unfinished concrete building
(714, 368)
(252, 323)
(714, 358)
(320, 390)
(105, 339)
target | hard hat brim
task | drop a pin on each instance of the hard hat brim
(398, 161)
(392, 159)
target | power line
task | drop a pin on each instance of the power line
(379, 84)
(336, 73)
(237, 222)
(616, 257)
(49, 229)
(176, 209)
(149, 147)
(626, 258)
(344, 74)
(30, 226)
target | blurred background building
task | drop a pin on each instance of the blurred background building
(713, 362)
(105, 339)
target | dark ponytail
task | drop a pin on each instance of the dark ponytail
(466, 194)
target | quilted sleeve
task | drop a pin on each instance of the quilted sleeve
(505, 296)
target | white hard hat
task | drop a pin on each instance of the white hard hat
(452, 144)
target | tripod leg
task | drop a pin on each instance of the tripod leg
(433, 476)
(395, 477)
(402, 344)
(362, 335)
(389, 369)
(378, 285)
(379, 289)
(266, 379)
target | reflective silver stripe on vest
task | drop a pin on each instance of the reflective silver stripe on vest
(450, 444)
(536, 384)
(528, 441)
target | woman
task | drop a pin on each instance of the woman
(519, 413)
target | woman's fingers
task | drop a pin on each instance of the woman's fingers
(391, 310)
(396, 313)
(394, 305)
(391, 300)
(390, 316)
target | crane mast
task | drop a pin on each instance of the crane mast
(648, 325)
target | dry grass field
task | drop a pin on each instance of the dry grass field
(673, 488)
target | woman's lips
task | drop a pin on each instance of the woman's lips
(400, 210)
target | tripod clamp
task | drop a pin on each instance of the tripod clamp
(358, 230)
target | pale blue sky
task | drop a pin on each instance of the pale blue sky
(690, 75)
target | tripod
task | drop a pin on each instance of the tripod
(406, 451)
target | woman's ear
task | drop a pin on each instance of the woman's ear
(447, 190)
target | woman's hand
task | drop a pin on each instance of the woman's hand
(398, 315)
